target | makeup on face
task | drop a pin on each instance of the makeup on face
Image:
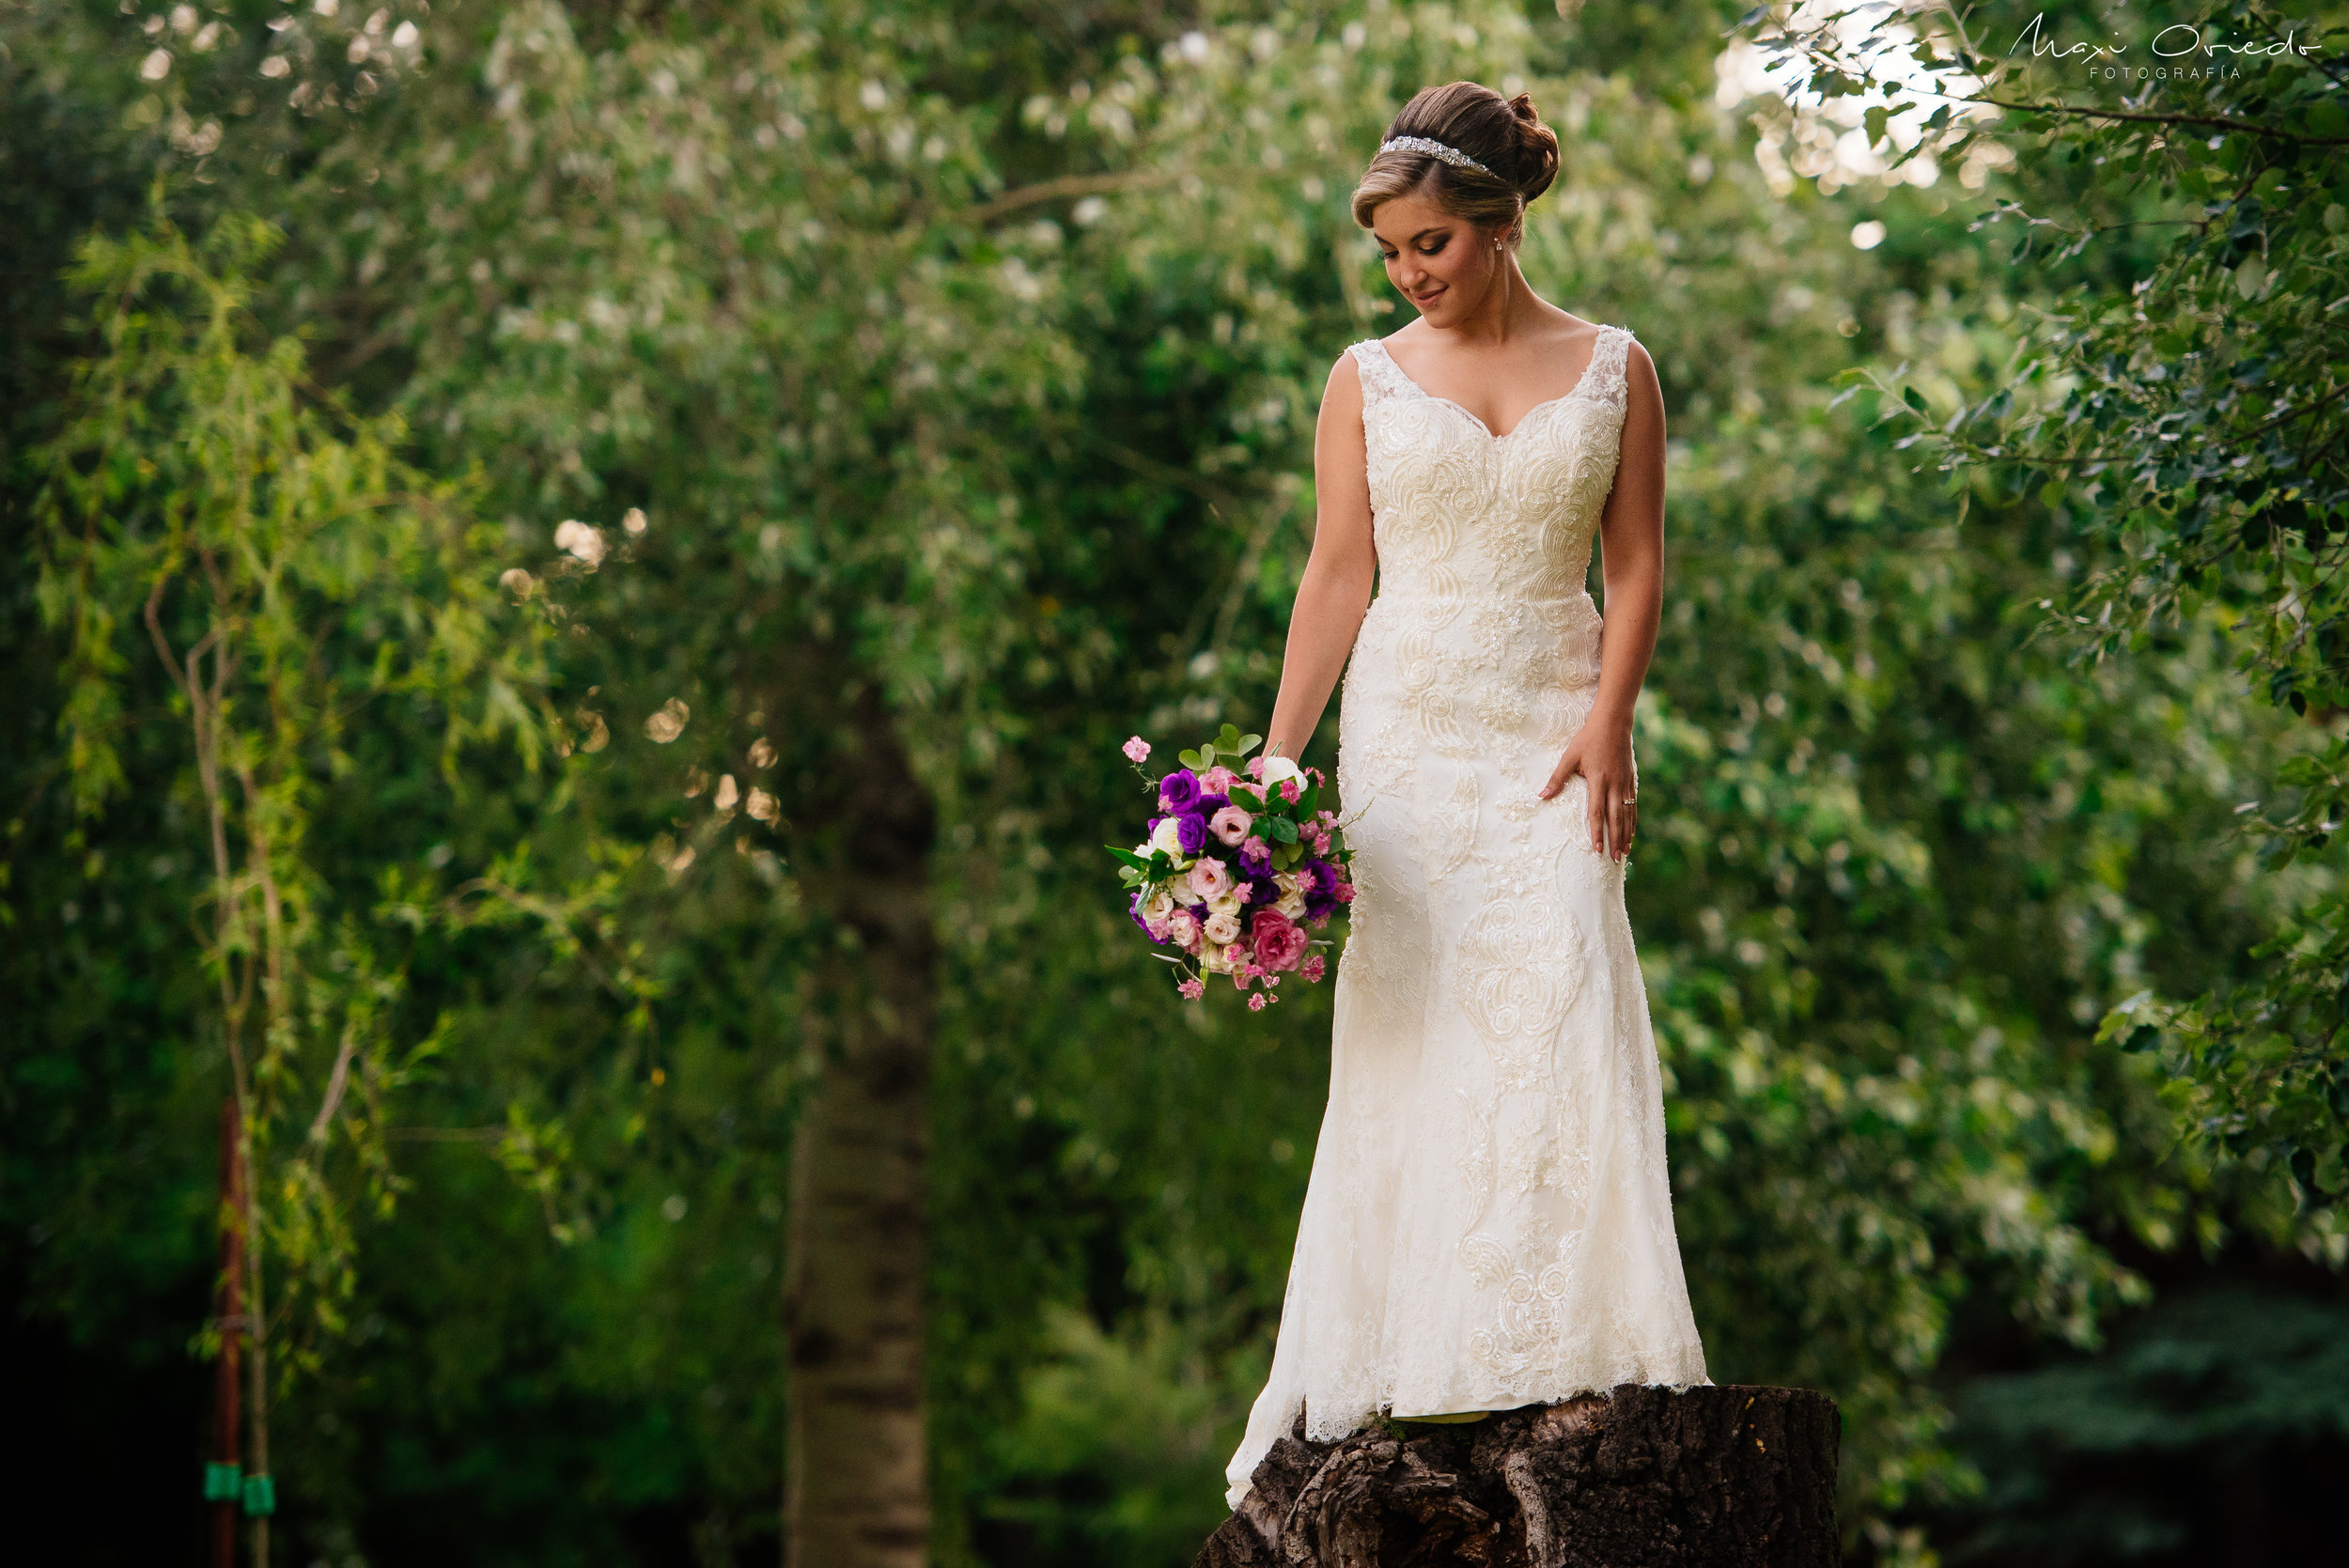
(1432, 256)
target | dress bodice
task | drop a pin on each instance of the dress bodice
(1458, 511)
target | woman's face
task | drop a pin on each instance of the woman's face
(1443, 264)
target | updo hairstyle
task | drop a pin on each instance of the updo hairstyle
(1505, 135)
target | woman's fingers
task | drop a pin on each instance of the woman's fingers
(1624, 822)
(1609, 802)
(1569, 763)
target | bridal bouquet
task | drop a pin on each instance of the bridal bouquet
(1237, 866)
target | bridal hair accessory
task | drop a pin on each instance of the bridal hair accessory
(1239, 865)
(1451, 155)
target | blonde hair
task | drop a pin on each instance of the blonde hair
(1506, 135)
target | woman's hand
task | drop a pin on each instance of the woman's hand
(1601, 753)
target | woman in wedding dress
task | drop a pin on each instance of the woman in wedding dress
(1489, 1222)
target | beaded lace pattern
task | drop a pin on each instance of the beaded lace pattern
(1488, 1221)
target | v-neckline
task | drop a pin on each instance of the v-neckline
(1523, 419)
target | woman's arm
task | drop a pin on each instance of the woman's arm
(1631, 539)
(1338, 573)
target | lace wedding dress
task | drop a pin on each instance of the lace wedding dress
(1488, 1223)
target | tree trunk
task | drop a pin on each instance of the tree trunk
(1712, 1478)
(856, 1480)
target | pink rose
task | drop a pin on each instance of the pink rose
(1184, 929)
(1278, 941)
(1137, 750)
(1209, 878)
(1231, 824)
(1313, 970)
(1218, 780)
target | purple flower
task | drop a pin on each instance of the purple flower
(1190, 831)
(1179, 790)
(1135, 908)
(1263, 890)
(1320, 886)
(1253, 866)
(1210, 802)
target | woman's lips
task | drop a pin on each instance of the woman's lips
(1425, 299)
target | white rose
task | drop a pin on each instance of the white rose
(1158, 906)
(1278, 767)
(1165, 837)
(1215, 960)
(1291, 903)
(1222, 927)
(1226, 903)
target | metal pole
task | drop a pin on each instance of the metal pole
(220, 1481)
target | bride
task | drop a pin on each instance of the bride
(1489, 1222)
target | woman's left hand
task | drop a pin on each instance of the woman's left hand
(1601, 753)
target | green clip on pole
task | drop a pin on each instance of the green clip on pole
(220, 1484)
(260, 1495)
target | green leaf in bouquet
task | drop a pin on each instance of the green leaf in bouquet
(1127, 857)
(1309, 802)
(1234, 744)
(1194, 760)
(1286, 855)
(1279, 829)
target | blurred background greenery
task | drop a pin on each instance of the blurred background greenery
(712, 415)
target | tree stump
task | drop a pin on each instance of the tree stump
(1710, 1478)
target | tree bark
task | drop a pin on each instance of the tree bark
(1728, 1477)
(856, 1479)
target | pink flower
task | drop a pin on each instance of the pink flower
(1184, 929)
(1209, 878)
(1137, 750)
(1313, 970)
(1277, 940)
(1344, 893)
(1218, 780)
(1255, 1003)
(1231, 824)
(1257, 848)
(1318, 780)
(1320, 840)
(1290, 790)
(1193, 988)
(1255, 768)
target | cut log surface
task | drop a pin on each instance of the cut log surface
(1726, 1477)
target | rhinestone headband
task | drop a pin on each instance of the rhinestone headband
(1451, 155)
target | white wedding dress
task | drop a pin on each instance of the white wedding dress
(1489, 1222)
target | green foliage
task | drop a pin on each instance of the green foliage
(2257, 1378)
(1230, 743)
(202, 509)
(2182, 410)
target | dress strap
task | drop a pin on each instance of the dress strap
(1381, 376)
(1607, 358)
